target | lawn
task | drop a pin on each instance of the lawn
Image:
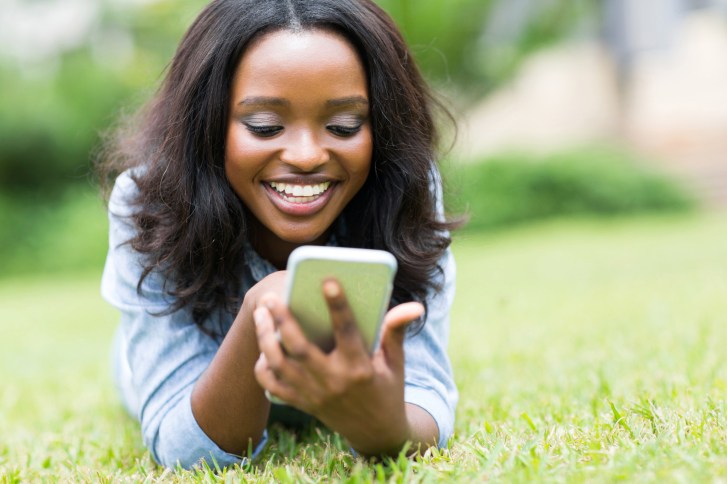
(584, 351)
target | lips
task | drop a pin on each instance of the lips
(299, 199)
(300, 193)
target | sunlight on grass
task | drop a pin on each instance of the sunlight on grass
(594, 351)
(582, 350)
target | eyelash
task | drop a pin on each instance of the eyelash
(264, 131)
(270, 131)
(344, 131)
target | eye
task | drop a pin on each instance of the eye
(343, 131)
(263, 131)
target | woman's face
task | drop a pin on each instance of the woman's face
(299, 139)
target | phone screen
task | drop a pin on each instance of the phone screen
(366, 277)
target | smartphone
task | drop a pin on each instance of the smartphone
(367, 278)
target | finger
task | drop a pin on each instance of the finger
(267, 379)
(291, 337)
(297, 393)
(402, 315)
(268, 342)
(393, 329)
(345, 331)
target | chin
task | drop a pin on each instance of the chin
(298, 238)
(309, 241)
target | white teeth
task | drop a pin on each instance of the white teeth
(300, 193)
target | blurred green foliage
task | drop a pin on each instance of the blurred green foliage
(51, 124)
(42, 237)
(444, 36)
(54, 110)
(496, 193)
(452, 43)
(514, 188)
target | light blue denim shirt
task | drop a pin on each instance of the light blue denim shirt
(158, 358)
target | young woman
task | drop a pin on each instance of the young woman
(279, 123)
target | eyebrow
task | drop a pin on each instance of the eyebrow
(348, 101)
(264, 101)
(278, 101)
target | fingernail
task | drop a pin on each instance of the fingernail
(331, 289)
(257, 316)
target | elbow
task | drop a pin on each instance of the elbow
(175, 440)
(170, 451)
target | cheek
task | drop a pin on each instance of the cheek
(364, 154)
(360, 156)
(242, 156)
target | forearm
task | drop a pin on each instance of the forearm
(420, 431)
(227, 401)
(423, 430)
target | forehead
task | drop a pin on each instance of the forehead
(310, 59)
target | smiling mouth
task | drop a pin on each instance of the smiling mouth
(300, 193)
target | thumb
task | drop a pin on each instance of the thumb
(394, 329)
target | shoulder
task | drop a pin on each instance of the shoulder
(124, 193)
(125, 265)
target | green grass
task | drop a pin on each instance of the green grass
(583, 351)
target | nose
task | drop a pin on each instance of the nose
(304, 151)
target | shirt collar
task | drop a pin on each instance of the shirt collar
(261, 268)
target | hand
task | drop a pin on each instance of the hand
(356, 394)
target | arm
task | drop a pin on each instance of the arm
(234, 415)
(429, 383)
(429, 380)
(423, 430)
(168, 356)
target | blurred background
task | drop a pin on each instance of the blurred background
(567, 108)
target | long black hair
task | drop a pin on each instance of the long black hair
(192, 227)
